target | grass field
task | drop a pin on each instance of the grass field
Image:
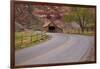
(87, 33)
(26, 39)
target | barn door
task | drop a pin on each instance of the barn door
(51, 29)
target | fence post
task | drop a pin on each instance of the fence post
(42, 35)
(22, 39)
(37, 36)
(31, 38)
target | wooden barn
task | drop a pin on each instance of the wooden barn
(51, 18)
(56, 27)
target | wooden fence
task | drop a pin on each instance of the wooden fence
(32, 38)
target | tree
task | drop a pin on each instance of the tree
(82, 16)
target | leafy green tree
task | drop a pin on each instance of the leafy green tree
(82, 16)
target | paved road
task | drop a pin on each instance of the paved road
(59, 49)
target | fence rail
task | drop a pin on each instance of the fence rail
(32, 38)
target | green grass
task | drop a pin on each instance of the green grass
(26, 39)
(87, 33)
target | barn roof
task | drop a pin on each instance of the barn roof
(58, 23)
(46, 24)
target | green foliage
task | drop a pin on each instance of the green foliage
(79, 12)
(69, 18)
(82, 16)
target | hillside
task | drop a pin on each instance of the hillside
(33, 17)
(24, 18)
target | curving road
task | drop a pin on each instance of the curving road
(59, 49)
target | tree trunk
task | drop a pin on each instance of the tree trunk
(81, 24)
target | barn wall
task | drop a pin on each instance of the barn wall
(58, 30)
(45, 29)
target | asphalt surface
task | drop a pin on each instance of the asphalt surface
(61, 48)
